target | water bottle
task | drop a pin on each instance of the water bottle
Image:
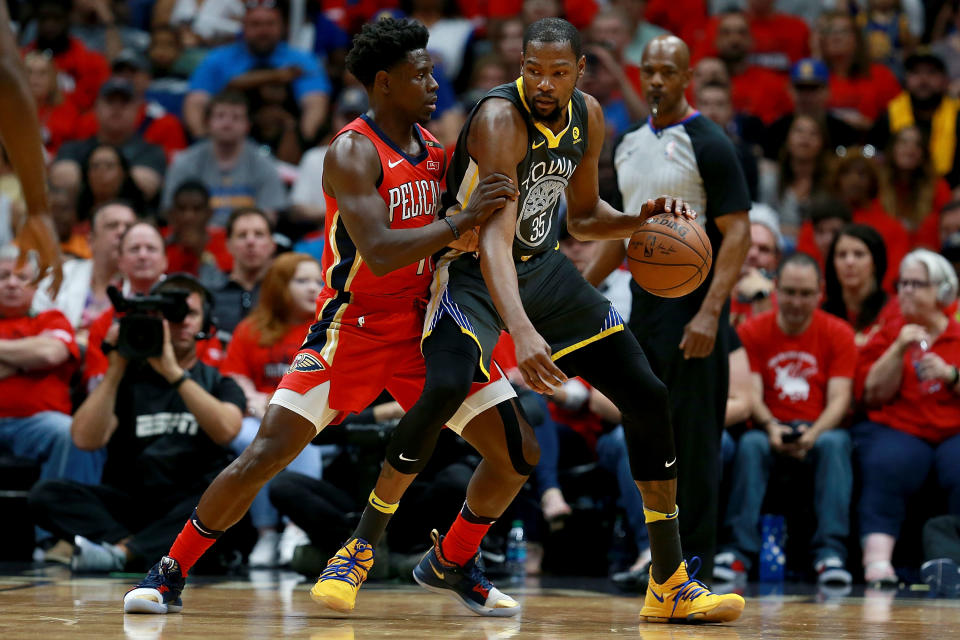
(773, 560)
(917, 351)
(516, 552)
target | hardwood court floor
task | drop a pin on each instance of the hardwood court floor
(41, 607)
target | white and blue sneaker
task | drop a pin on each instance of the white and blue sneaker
(159, 592)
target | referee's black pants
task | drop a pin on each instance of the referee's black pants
(698, 401)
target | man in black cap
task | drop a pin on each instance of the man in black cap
(810, 92)
(926, 105)
(117, 109)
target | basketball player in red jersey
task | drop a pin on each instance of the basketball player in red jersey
(20, 134)
(382, 179)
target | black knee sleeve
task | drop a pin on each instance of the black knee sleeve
(617, 367)
(451, 360)
(514, 436)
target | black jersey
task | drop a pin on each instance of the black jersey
(543, 173)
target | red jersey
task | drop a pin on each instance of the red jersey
(796, 369)
(932, 412)
(411, 188)
(264, 366)
(762, 93)
(26, 393)
(779, 40)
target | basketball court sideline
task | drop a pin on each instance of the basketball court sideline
(51, 604)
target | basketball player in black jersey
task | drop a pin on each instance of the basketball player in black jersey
(546, 136)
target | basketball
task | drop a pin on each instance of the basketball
(669, 256)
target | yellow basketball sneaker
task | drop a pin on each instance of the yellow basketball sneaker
(339, 583)
(683, 599)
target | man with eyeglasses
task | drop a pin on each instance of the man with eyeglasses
(802, 362)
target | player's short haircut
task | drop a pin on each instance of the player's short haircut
(192, 186)
(553, 30)
(799, 259)
(383, 44)
(236, 214)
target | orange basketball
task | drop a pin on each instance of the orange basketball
(669, 256)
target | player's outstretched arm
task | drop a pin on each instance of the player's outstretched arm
(588, 216)
(498, 141)
(20, 132)
(351, 173)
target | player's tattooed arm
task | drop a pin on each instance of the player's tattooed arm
(498, 141)
(352, 171)
(591, 218)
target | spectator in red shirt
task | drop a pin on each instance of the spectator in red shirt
(802, 362)
(57, 116)
(756, 90)
(908, 379)
(82, 71)
(855, 267)
(38, 354)
(911, 188)
(859, 89)
(779, 39)
(153, 123)
(855, 181)
(193, 246)
(827, 216)
(262, 349)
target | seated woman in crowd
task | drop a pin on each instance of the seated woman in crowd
(856, 183)
(855, 268)
(910, 189)
(800, 175)
(106, 177)
(908, 380)
(261, 350)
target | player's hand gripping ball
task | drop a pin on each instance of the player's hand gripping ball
(669, 255)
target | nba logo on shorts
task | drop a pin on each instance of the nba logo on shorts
(306, 362)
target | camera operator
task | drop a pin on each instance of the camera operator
(166, 422)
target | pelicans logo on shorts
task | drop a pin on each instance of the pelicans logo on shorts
(307, 362)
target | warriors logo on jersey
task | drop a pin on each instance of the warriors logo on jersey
(544, 172)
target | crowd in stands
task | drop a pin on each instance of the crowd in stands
(185, 143)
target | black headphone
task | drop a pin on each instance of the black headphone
(191, 283)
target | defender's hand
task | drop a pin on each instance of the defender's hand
(489, 196)
(699, 335)
(166, 364)
(533, 359)
(668, 204)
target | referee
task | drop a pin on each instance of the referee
(681, 152)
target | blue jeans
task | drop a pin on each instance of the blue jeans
(832, 486)
(894, 465)
(262, 512)
(45, 437)
(612, 455)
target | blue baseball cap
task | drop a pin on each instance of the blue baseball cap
(809, 71)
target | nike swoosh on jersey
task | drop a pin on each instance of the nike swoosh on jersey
(393, 164)
(666, 464)
(406, 459)
(538, 145)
